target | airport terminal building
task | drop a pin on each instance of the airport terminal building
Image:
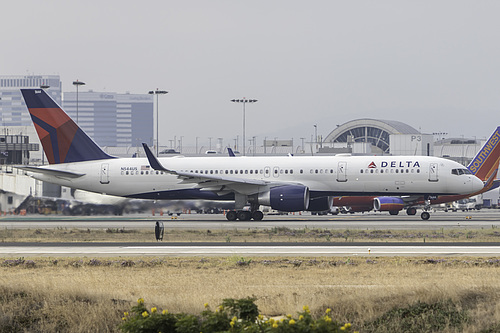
(378, 137)
(389, 137)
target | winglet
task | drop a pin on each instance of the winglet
(230, 152)
(153, 161)
(487, 159)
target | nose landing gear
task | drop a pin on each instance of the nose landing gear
(425, 216)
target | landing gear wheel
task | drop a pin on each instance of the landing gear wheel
(411, 211)
(231, 215)
(257, 215)
(394, 212)
(244, 215)
(425, 216)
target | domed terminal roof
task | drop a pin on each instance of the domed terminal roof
(375, 131)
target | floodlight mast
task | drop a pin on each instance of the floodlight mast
(244, 101)
(77, 84)
(157, 93)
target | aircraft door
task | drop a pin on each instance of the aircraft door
(433, 172)
(104, 173)
(342, 172)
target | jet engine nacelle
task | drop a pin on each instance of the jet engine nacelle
(320, 204)
(388, 204)
(287, 198)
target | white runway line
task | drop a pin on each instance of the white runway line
(254, 250)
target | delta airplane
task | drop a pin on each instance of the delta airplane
(287, 183)
(485, 166)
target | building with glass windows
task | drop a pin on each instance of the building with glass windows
(13, 111)
(112, 119)
(373, 131)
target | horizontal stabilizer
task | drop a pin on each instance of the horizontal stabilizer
(51, 172)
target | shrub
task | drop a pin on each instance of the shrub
(420, 317)
(244, 308)
(231, 316)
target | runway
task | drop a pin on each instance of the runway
(269, 249)
(368, 221)
(439, 220)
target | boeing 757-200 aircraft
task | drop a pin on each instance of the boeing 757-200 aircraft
(285, 183)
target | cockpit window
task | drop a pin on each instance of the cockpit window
(459, 172)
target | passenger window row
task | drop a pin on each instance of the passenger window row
(142, 172)
(321, 171)
(391, 171)
(232, 172)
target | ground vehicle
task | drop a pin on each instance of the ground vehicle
(475, 202)
(169, 151)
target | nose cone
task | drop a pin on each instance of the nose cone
(477, 184)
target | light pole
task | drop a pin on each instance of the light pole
(254, 138)
(77, 84)
(244, 101)
(157, 92)
(315, 137)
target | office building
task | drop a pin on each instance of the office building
(13, 110)
(112, 119)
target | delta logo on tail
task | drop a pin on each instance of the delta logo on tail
(62, 140)
(482, 165)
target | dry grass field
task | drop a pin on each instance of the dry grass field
(279, 234)
(375, 294)
(90, 295)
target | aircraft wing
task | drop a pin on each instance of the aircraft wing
(216, 183)
(51, 172)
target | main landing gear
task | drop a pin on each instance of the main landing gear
(413, 211)
(244, 215)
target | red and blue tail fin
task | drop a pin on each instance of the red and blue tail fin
(62, 140)
(485, 164)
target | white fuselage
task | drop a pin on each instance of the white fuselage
(323, 175)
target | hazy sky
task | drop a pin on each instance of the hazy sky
(434, 65)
